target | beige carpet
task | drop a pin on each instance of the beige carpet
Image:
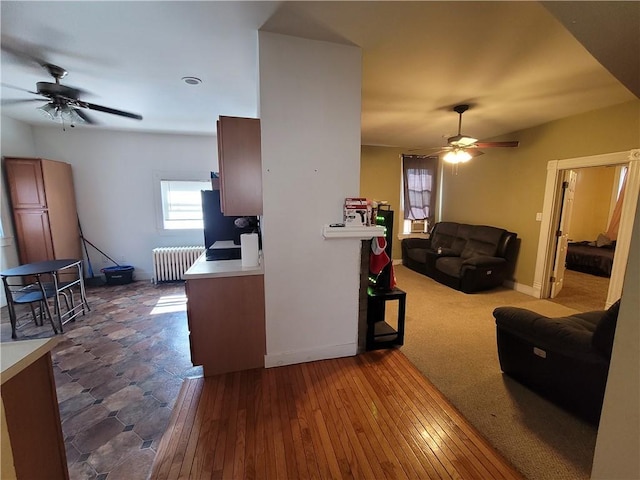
(450, 337)
(582, 291)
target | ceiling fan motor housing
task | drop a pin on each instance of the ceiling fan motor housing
(51, 90)
(459, 140)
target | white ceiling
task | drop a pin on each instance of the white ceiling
(514, 62)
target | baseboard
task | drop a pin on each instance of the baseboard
(519, 287)
(302, 356)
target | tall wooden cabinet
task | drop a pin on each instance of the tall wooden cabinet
(44, 209)
(240, 162)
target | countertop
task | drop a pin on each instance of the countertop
(220, 268)
(18, 355)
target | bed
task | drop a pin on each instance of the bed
(587, 257)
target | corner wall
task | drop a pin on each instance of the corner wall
(380, 175)
(618, 442)
(310, 119)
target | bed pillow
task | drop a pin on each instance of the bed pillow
(603, 241)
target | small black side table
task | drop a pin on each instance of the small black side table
(379, 333)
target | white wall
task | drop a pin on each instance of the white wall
(114, 183)
(17, 141)
(310, 114)
(618, 443)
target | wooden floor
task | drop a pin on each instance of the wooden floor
(371, 416)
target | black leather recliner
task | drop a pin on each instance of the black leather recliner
(565, 359)
(466, 257)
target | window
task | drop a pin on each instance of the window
(182, 203)
(419, 174)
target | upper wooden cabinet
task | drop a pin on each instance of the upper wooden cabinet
(26, 183)
(44, 209)
(240, 162)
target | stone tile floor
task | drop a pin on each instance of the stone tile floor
(118, 371)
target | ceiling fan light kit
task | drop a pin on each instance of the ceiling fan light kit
(457, 156)
(61, 113)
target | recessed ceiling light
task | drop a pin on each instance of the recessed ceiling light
(191, 80)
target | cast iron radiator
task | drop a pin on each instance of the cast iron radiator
(170, 263)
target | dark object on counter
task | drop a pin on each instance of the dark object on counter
(218, 227)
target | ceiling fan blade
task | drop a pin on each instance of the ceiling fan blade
(22, 51)
(87, 118)
(100, 108)
(496, 144)
(6, 85)
(22, 100)
(430, 150)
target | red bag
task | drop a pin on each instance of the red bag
(378, 258)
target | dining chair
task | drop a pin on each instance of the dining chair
(28, 294)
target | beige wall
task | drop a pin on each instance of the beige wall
(505, 187)
(380, 174)
(590, 215)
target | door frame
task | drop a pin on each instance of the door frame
(550, 212)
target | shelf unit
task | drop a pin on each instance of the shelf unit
(361, 232)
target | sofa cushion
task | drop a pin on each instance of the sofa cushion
(602, 339)
(443, 235)
(483, 241)
(417, 254)
(465, 232)
(449, 265)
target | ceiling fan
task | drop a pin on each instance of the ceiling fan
(462, 148)
(63, 102)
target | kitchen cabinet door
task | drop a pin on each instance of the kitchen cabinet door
(26, 184)
(240, 161)
(33, 234)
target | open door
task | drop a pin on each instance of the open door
(546, 257)
(562, 233)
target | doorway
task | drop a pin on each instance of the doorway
(587, 221)
(551, 215)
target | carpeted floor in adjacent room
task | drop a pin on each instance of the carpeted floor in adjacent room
(450, 337)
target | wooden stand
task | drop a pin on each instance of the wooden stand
(379, 333)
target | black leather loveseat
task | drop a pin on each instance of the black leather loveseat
(466, 257)
(565, 359)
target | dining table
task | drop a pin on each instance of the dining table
(49, 279)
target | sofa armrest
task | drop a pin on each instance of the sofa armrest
(483, 261)
(559, 335)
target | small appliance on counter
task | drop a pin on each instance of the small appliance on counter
(222, 233)
(223, 250)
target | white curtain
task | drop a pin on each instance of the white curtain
(614, 223)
